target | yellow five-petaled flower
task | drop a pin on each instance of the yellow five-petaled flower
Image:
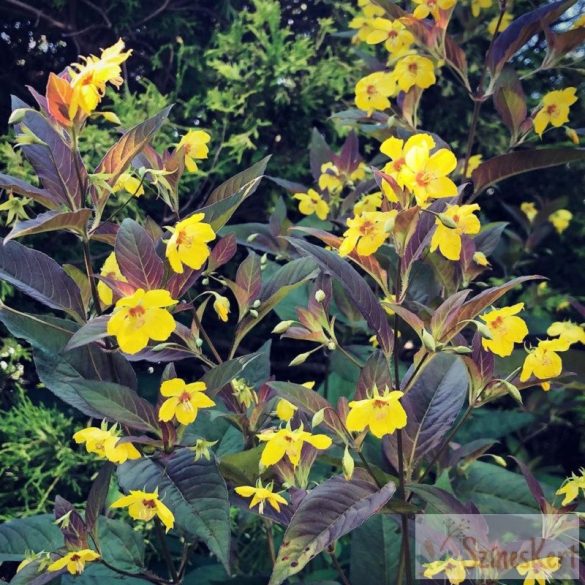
(188, 243)
(145, 506)
(570, 488)
(261, 494)
(183, 400)
(448, 239)
(539, 570)
(372, 92)
(382, 413)
(312, 203)
(194, 145)
(543, 362)
(455, 569)
(367, 232)
(105, 443)
(555, 109)
(74, 561)
(290, 443)
(505, 328)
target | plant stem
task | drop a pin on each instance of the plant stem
(206, 337)
(478, 96)
(339, 568)
(165, 551)
(270, 540)
(354, 360)
(369, 469)
(89, 272)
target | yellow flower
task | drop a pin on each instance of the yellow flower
(571, 486)
(388, 299)
(505, 328)
(244, 393)
(426, 7)
(425, 174)
(506, 21)
(480, 259)
(74, 561)
(529, 210)
(367, 232)
(110, 269)
(373, 341)
(396, 37)
(538, 570)
(105, 444)
(130, 184)
(414, 70)
(145, 506)
(478, 5)
(447, 239)
(310, 384)
(567, 330)
(290, 443)
(372, 92)
(183, 400)
(396, 149)
(454, 569)
(382, 413)
(221, 305)
(140, 317)
(89, 78)
(363, 22)
(285, 410)
(563, 305)
(194, 145)
(15, 208)
(202, 449)
(474, 162)
(311, 202)
(579, 22)
(561, 218)
(260, 494)
(555, 109)
(368, 203)
(543, 361)
(359, 174)
(188, 243)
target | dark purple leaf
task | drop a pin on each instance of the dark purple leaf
(193, 490)
(20, 187)
(328, 512)
(349, 157)
(432, 405)
(224, 373)
(94, 330)
(483, 360)
(96, 499)
(179, 283)
(376, 373)
(319, 153)
(71, 524)
(356, 287)
(222, 252)
(470, 451)
(50, 221)
(534, 487)
(510, 101)
(488, 239)
(290, 186)
(521, 30)
(136, 256)
(60, 170)
(40, 277)
(248, 283)
(515, 163)
(441, 315)
(106, 232)
(246, 181)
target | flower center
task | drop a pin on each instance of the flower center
(551, 109)
(422, 179)
(149, 504)
(367, 228)
(75, 557)
(497, 322)
(371, 90)
(137, 311)
(413, 67)
(185, 397)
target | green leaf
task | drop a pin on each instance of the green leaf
(98, 493)
(33, 534)
(515, 163)
(510, 101)
(121, 546)
(246, 181)
(488, 423)
(50, 221)
(328, 512)
(224, 373)
(242, 468)
(193, 490)
(381, 534)
(137, 257)
(356, 287)
(40, 277)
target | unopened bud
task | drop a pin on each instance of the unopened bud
(512, 391)
(205, 281)
(251, 237)
(320, 296)
(389, 225)
(17, 115)
(256, 303)
(499, 460)
(483, 330)
(282, 327)
(264, 259)
(428, 340)
(348, 464)
(199, 342)
(446, 221)
(300, 359)
(318, 418)
(461, 350)
(331, 345)
(254, 313)
(573, 136)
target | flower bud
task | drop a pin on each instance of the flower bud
(572, 135)
(251, 237)
(318, 418)
(446, 221)
(348, 464)
(282, 327)
(480, 259)
(499, 460)
(461, 350)
(512, 391)
(254, 313)
(483, 330)
(320, 296)
(428, 340)
(199, 342)
(300, 359)
(285, 410)
(256, 303)
(331, 345)
(17, 115)
(205, 281)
